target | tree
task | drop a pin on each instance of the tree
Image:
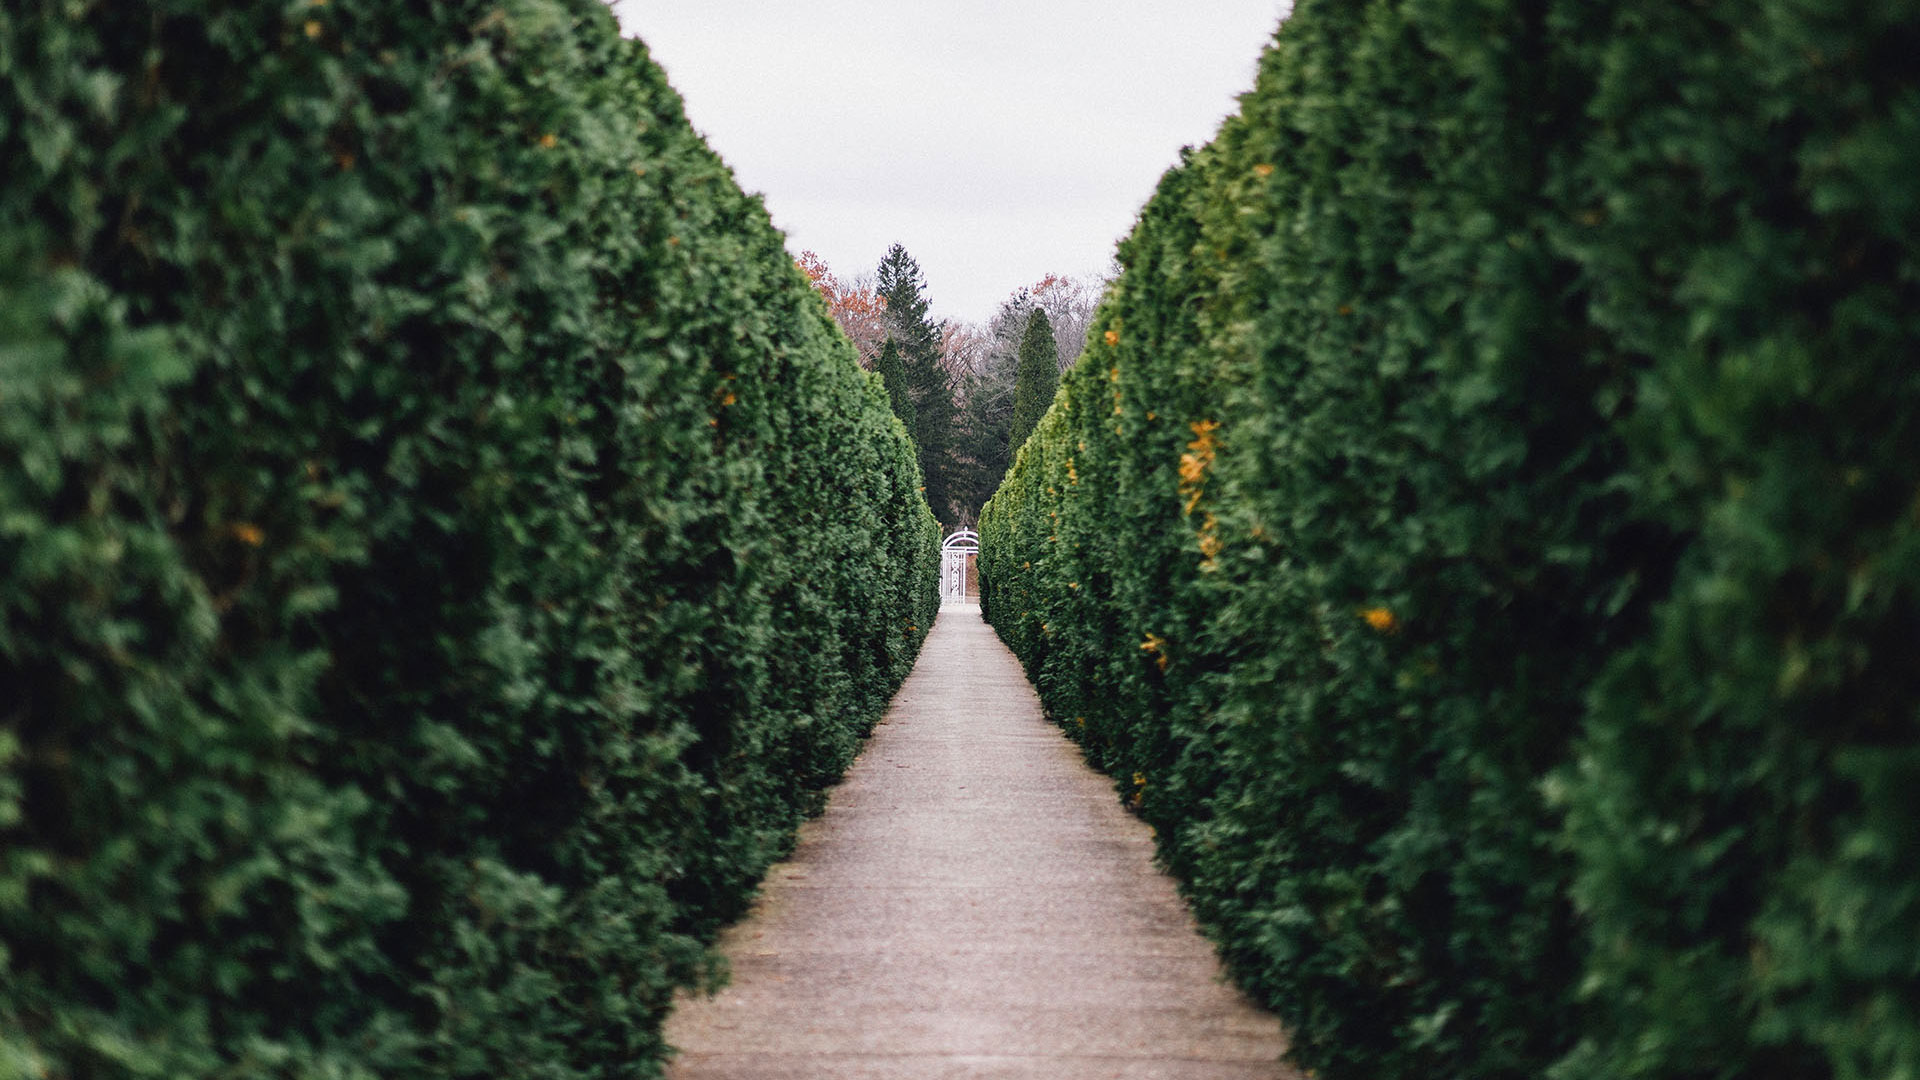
(893, 375)
(965, 349)
(983, 361)
(1037, 378)
(902, 286)
(854, 304)
(1069, 303)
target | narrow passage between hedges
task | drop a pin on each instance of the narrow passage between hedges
(973, 903)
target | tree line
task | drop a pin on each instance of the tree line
(968, 394)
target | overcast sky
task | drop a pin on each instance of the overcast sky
(999, 140)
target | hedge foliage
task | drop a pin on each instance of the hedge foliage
(1483, 537)
(447, 546)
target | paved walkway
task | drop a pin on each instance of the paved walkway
(974, 903)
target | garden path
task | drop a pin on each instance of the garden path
(973, 903)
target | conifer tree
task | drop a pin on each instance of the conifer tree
(1037, 379)
(903, 286)
(894, 375)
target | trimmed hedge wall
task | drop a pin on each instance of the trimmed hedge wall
(447, 545)
(1483, 537)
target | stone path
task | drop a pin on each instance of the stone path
(973, 903)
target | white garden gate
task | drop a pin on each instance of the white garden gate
(959, 573)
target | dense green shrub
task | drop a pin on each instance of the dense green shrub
(1481, 537)
(446, 545)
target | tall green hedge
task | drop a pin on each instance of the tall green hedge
(1483, 537)
(445, 546)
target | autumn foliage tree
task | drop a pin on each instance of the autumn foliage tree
(854, 304)
(1069, 303)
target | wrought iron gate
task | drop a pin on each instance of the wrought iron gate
(957, 566)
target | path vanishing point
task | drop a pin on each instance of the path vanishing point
(973, 903)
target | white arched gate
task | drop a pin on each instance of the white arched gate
(959, 576)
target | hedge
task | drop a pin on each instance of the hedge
(447, 545)
(1483, 537)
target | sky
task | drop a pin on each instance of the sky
(997, 140)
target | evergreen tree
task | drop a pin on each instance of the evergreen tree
(980, 440)
(894, 376)
(1037, 379)
(903, 287)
